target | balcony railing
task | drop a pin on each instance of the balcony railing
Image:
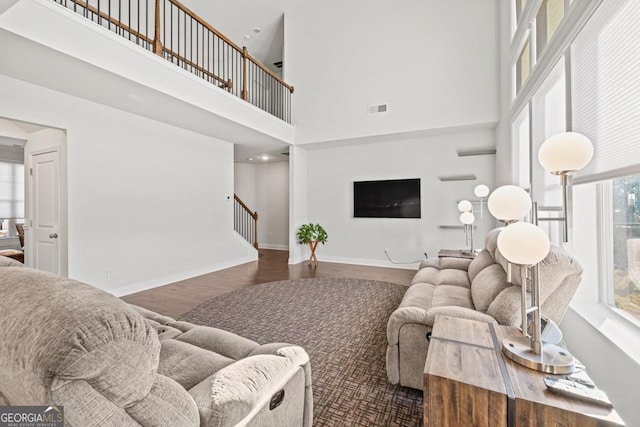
(169, 29)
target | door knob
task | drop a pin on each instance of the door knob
(53, 236)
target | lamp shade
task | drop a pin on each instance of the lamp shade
(481, 190)
(523, 243)
(467, 218)
(565, 152)
(509, 203)
(464, 206)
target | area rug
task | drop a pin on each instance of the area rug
(341, 323)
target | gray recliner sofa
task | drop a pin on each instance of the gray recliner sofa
(474, 289)
(109, 363)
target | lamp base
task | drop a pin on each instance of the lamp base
(552, 359)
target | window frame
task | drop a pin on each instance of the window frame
(576, 15)
(606, 294)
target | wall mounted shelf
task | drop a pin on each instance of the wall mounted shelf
(458, 178)
(476, 152)
(455, 227)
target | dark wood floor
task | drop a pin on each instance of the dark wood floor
(178, 298)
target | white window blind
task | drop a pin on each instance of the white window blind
(606, 89)
(521, 147)
(11, 190)
(549, 118)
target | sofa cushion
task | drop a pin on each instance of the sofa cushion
(187, 364)
(437, 277)
(446, 295)
(487, 285)
(483, 260)
(418, 295)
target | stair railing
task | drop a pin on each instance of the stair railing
(245, 221)
(171, 30)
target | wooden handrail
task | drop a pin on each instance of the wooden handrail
(234, 72)
(226, 84)
(114, 21)
(271, 73)
(204, 23)
(240, 50)
(253, 214)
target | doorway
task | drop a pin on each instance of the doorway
(43, 197)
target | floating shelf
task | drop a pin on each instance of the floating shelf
(458, 178)
(455, 227)
(476, 152)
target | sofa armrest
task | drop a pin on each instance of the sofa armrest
(404, 315)
(461, 312)
(237, 393)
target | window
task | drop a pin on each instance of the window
(548, 19)
(625, 232)
(606, 107)
(521, 147)
(520, 4)
(523, 67)
(11, 195)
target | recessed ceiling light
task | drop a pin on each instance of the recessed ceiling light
(257, 30)
(250, 159)
(265, 157)
(247, 36)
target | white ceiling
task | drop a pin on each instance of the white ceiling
(237, 18)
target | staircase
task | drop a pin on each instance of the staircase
(170, 30)
(245, 221)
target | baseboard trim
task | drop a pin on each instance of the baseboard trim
(275, 247)
(155, 283)
(359, 261)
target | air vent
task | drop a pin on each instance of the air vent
(277, 64)
(375, 109)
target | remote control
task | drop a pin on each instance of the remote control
(574, 389)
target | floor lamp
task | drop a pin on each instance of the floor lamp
(526, 244)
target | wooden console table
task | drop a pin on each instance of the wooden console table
(468, 382)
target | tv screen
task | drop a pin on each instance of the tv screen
(397, 198)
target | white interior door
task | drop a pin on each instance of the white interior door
(45, 221)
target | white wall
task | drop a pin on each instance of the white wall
(272, 204)
(435, 63)
(244, 183)
(149, 201)
(266, 186)
(332, 171)
(298, 199)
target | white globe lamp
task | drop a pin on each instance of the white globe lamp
(467, 218)
(509, 203)
(481, 191)
(465, 206)
(565, 153)
(523, 243)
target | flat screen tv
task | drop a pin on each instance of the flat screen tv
(396, 198)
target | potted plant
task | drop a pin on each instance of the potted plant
(312, 234)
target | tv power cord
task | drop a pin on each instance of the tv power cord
(386, 252)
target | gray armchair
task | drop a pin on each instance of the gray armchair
(109, 363)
